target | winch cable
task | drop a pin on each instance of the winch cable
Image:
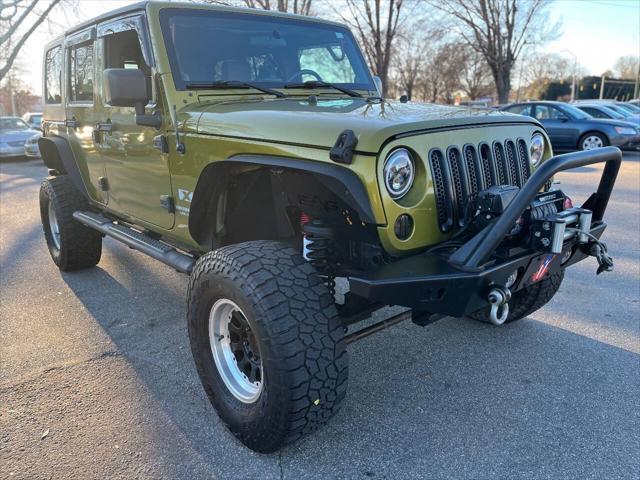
(598, 250)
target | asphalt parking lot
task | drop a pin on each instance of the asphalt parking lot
(97, 380)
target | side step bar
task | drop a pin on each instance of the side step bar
(138, 241)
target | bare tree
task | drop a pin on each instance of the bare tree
(627, 66)
(537, 70)
(409, 68)
(376, 23)
(548, 66)
(499, 29)
(475, 73)
(408, 65)
(18, 20)
(440, 77)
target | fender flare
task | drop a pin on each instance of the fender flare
(343, 182)
(56, 154)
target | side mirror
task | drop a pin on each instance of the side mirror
(563, 119)
(378, 83)
(127, 87)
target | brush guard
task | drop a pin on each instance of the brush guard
(475, 275)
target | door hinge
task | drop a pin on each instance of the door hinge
(160, 143)
(167, 202)
(103, 183)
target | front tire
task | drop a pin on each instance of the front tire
(72, 245)
(592, 140)
(527, 300)
(267, 342)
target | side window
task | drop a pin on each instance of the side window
(330, 62)
(521, 110)
(53, 76)
(547, 112)
(122, 50)
(81, 73)
(592, 111)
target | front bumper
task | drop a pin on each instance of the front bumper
(626, 141)
(32, 150)
(10, 151)
(459, 284)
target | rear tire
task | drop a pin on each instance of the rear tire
(526, 301)
(72, 245)
(280, 368)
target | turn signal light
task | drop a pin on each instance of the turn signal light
(567, 203)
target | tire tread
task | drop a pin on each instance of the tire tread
(301, 323)
(81, 247)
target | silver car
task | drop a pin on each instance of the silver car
(31, 148)
(14, 133)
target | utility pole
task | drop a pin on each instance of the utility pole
(636, 87)
(12, 95)
(602, 86)
(573, 76)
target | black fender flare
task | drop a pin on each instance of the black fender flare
(342, 181)
(56, 154)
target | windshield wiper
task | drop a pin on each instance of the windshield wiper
(319, 84)
(221, 84)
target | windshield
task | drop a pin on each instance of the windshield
(612, 112)
(626, 107)
(620, 110)
(209, 46)
(36, 119)
(11, 123)
(575, 112)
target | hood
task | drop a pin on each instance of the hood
(16, 135)
(296, 121)
(627, 122)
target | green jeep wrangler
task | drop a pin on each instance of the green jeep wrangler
(252, 151)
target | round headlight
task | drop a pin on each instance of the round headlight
(399, 173)
(536, 148)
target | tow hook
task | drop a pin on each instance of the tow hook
(499, 298)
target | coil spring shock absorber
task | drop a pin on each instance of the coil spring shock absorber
(319, 249)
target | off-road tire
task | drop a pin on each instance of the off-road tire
(299, 334)
(526, 301)
(79, 246)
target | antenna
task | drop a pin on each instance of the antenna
(180, 147)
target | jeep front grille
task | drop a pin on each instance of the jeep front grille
(459, 174)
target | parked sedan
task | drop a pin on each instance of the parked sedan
(33, 119)
(627, 111)
(570, 128)
(31, 148)
(14, 133)
(600, 110)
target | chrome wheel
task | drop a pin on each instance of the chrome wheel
(53, 226)
(591, 142)
(235, 351)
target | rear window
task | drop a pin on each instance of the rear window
(53, 76)
(520, 110)
(81, 75)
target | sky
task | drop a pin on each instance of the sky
(597, 32)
